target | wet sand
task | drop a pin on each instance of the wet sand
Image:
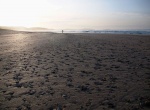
(47, 71)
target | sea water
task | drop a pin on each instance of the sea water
(137, 32)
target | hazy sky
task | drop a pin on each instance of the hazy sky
(76, 14)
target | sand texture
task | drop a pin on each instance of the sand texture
(50, 71)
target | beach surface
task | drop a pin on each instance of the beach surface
(54, 71)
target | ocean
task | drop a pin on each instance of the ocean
(137, 32)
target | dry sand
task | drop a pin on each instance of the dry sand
(46, 71)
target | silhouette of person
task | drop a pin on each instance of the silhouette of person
(62, 31)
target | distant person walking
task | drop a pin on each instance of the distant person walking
(62, 31)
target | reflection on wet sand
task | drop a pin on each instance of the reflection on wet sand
(14, 42)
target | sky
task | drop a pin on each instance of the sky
(76, 14)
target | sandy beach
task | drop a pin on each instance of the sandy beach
(55, 71)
